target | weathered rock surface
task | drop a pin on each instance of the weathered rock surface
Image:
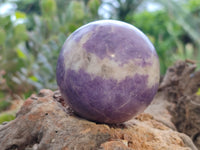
(45, 122)
(180, 87)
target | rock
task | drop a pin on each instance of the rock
(179, 87)
(44, 123)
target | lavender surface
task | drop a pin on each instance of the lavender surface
(108, 71)
(106, 100)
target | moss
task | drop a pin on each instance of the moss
(6, 117)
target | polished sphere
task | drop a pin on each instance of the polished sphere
(108, 71)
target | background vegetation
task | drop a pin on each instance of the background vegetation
(32, 33)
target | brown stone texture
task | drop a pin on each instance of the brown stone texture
(179, 87)
(45, 122)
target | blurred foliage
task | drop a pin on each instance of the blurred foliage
(198, 92)
(29, 52)
(32, 36)
(174, 30)
(4, 117)
(4, 105)
(120, 9)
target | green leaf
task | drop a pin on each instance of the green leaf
(93, 6)
(20, 15)
(33, 78)
(20, 33)
(72, 27)
(6, 117)
(76, 11)
(48, 7)
(20, 54)
(198, 92)
(2, 36)
(4, 21)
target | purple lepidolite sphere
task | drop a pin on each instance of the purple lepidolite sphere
(108, 71)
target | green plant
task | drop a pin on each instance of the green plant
(186, 15)
(6, 117)
(31, 43)
(4, 105)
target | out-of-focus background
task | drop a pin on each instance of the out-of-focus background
(32, 33)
